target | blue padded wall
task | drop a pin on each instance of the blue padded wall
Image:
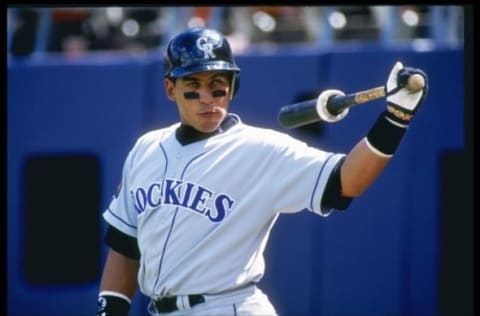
(381, 257)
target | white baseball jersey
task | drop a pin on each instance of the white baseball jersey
(202, 212)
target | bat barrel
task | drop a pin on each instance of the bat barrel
(303, 113)
(306, 112)
(298, 114)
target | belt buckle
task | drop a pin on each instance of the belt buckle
(169, 304)
(166, 304)
(196, 299)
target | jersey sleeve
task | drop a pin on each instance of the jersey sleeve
(121, 212)
(122, 243)
(302, 175)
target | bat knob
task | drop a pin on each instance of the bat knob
(410, 79)
(415, 82)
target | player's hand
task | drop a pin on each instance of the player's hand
(402, 104)
(322, 106)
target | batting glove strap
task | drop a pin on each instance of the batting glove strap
(396, 115)
(322, 110)
(385, 136)
(403, 103)
(112, 304)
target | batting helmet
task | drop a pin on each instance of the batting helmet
(198, 50)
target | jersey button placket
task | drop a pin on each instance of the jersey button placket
(179, 157)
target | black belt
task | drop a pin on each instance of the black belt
(169, 304)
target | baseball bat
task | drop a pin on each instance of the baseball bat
(303, 113)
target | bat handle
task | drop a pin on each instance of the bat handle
(337, 104)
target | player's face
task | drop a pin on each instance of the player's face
(202, 99)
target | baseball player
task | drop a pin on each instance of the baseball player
(190, 220)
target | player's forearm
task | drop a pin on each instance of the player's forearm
(360, 169)
(120, 274)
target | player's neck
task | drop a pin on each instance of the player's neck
(186, 134)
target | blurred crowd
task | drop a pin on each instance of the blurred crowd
(75, 31)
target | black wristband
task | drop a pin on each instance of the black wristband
(385, 136)
(110, 305)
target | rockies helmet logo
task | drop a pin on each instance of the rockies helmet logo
(206, 47)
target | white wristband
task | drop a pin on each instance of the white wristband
(116, 294)
(375, 150)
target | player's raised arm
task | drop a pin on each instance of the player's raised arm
(368, 158)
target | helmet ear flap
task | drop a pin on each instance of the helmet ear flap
(235, 84)
(167, 62)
